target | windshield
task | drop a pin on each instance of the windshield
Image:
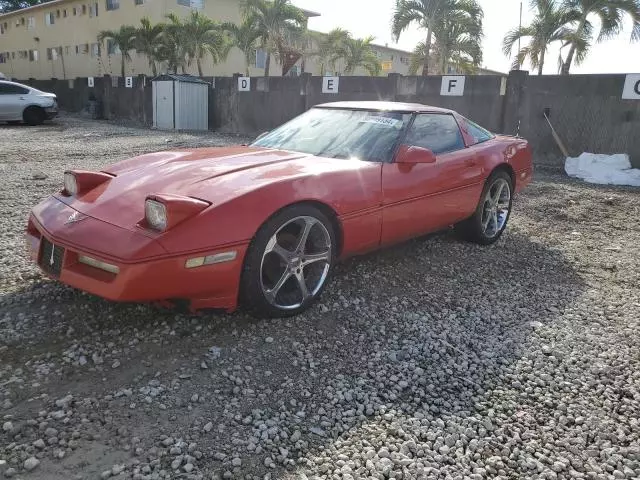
(340, 133)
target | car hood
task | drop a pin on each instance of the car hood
(216, 175)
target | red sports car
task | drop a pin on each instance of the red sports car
(263, 225)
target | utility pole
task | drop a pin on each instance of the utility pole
(520, 63)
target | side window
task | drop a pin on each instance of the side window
(478, 133)
(437, 132)
(9, 89)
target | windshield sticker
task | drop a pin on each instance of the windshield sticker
(386, 121)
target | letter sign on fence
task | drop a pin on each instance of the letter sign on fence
(632, 87)
(128, 82)
(330, 84)
(244, 84)
(90, 81)
(452, 85)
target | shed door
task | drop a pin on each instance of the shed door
(163, 105)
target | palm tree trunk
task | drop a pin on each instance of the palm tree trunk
(541, 66)
(427, 53)
(566, 65)
(199, 66)
(64, 71)
(267, 64)
(152, 64)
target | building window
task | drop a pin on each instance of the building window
(261, 58)
(138, 2)
(66, 50)
(93, 10)
(112, 47)
(64, 13)
(57, 13)
(31, 23)
(3, 28)
(22, 21)
(13, 55)
(112, 5)
(3, 59)
(33, 55)
(49, 19)
(74, 11)
(84, 9)
(52, 53)
(95, 49)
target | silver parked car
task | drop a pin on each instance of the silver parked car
(22, 103)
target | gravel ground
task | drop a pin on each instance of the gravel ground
(433, 359)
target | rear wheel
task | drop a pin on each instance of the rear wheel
(288, 262)
(492, 213)
(34, 116)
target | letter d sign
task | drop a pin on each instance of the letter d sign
(244, 84)
(631, 89)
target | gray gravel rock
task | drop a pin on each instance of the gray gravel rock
(434, 359)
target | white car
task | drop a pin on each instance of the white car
(22, 103)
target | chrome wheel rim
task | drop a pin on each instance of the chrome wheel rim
(495, 208)
(295, 263)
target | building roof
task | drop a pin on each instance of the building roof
(308, 13)
(178, 78)
(388, 106)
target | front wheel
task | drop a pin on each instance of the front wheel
(289, 262)
(492, 213)
(34, 116)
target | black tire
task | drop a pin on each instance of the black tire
(252, 295)
(472, 229)
(34, 116)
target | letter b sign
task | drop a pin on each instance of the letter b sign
(631, 87)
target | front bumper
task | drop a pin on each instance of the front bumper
(160, 278)
(51, 112)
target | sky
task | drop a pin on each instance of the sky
(373, 17)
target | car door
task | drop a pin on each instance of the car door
(12, 101)
(425, 197)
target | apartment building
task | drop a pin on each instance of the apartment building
(58, 39)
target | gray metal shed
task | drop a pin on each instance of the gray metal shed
(180, 102)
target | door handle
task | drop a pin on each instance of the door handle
(21, 98)
(471, 162)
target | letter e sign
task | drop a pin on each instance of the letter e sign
(128, 82)
(632, 87)
(90, 81)
(330, 84)
(244, 84)
(452, 86)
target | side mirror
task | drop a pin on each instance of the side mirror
(260, 136)
(411, 154)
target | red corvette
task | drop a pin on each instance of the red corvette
(264, 224)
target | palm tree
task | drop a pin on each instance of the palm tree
(430, 14)
(329, 47)
(172, 49)
(459, 40)
(124, 40)
(244, 36)
(358, 52)
(277, 21)
(548, 26)
(200, 36)
(148, 41)
(611, 14)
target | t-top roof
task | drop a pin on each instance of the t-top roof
(390, 106)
